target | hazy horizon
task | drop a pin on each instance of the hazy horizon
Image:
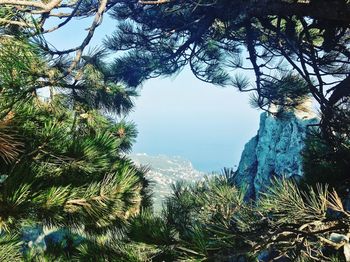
(203, 123)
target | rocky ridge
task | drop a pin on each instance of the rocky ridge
(275, 150)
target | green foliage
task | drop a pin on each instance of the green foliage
(69, 174)
(294, 49)
(209, 221)
(195, 223)
(63, 164)
(21, 67)
(155, 230)
(326, 162)
(288, 92)
(10, 248)
(291, 205)
(10, 147)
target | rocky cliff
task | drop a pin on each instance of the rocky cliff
(274, 151)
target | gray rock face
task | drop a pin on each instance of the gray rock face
(274, 151)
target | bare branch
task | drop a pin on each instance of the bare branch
(97, 21)
(67, 20)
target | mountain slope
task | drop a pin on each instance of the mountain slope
(164, 171)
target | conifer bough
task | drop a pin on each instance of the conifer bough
(221, 39)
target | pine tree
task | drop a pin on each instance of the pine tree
(210, 221)
(219, 40)
(63, 163)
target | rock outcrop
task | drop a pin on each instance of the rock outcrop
(274, 151)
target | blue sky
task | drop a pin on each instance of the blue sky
(183, 116)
